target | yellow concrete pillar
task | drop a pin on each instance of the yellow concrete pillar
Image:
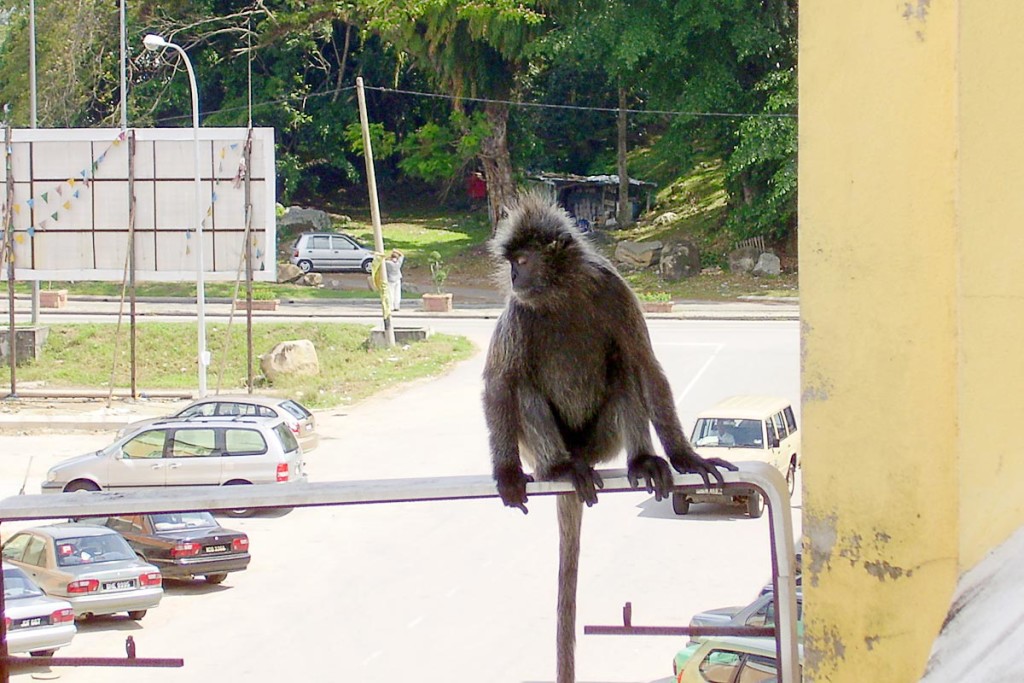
(911, 236)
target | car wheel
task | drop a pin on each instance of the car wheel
(755, 504)
(680, 503)
(791, 477)
(240, 512)
(367, 266)
(136, 614)
(43, 653)
(305, 265)
(216, 578)
(81, 485)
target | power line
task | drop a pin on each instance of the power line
(513, 103)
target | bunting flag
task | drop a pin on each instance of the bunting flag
(19, 238)
(71, 182)
(31, 231)
(67, 205)
(17, 209)
(60, 190)
(54, 215)
(45, 196)
(31, 202)
(75, 194)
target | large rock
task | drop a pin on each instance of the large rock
(744, 259)
(666, 218)
(312, 280)
(678, 260)
(298, 220)
(287, 272)
(296, 357)
(642, 254)
(767, 264)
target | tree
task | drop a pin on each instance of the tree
(470, 49)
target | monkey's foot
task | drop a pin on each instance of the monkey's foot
(512, 488)
(655, 473)
(695, 464)
(584, 479)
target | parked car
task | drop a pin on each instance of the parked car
(318, 251)
(299, 419)
(744, 428)
(35, 623)
(199, 451)
(183, 545)
(760, 612)
(729, 660)
(91, 567)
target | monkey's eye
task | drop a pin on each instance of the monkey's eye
(522, 259)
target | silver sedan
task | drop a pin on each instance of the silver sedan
(91, 567)
(35, 623)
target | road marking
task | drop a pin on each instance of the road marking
(707, 364)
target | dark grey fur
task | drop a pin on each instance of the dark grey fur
(570, 380)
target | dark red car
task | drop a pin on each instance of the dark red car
(183, 545)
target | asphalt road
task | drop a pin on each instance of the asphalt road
(450, 591)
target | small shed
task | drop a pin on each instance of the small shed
(594, 198)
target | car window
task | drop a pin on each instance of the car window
(288, 441)
(14, 549)
(758, 669)
(790, 419)
(149, 444)
(78, 550)
(339, 242)
(780, 425)
(244, 442)
(18, 585)
(319, 242)
(295, 409)
(178, 521)
(129, 524)
(720, 666)
(35, 553)
(191, 443)
(770, 430)
(203, 409)
(735, 433)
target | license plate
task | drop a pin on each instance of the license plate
(118, 585)
(708, 492)
(29, 623)
(216, 548)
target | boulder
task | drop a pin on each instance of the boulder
(287, 272)
(744, 259)
(678, 260)
(767, 264)
(666, 218)
(296, 357)
(640, 254)
(298, 220)
(311, 280)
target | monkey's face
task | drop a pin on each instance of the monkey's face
(534, 271)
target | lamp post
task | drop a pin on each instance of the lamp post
(155, 42)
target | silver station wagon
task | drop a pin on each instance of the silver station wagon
(198, 451)
(317, 251)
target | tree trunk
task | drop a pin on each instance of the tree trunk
(497, 163)
(625, 216)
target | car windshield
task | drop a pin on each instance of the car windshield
(73, 551)
(18, 585)
(727, 433)
(178, 521)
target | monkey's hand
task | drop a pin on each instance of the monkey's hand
(512, 488)
(655, 473)
(584, 478)
(694, 464)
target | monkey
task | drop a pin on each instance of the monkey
(570, 378)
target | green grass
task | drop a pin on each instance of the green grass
(224, 290)
(81, 356)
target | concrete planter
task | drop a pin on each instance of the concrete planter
(437, 303)
(53, 298)
(259, 304)
(656, 306)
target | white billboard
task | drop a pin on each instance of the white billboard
(71, 203)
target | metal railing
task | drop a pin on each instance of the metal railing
(760, 476)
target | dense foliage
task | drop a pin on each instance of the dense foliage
(448, 81)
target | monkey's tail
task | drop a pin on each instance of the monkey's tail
(570, 522)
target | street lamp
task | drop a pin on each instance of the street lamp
(154, 42)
